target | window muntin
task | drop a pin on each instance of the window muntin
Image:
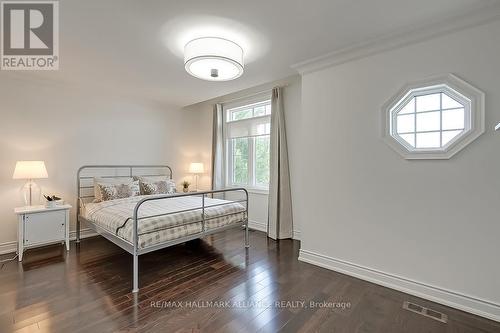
(249, 111)
(430, 119)
(247, 138)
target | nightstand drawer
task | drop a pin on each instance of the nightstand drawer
(44, 227)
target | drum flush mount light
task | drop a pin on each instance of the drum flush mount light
(213, 59)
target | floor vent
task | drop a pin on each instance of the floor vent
(425, 311)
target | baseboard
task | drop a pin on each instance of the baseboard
(8, 247)
(296, 234)
(257, 226)
(474, 305)
(84, 233)
(11, 247)
(260, 226)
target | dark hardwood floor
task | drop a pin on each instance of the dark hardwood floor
(88, 290)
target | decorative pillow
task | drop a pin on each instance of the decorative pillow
(156, 185)
(172, 188)
(108, 181)
(160, 187)
(152, 178)
(118, 191)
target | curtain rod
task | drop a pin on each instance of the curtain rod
(251, 95)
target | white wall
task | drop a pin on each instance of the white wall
(201, 140)
(434, 222)
(69, 126)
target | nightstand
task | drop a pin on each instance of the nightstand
(39, 225)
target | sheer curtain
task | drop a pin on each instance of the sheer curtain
(217, 148)
(280, 223)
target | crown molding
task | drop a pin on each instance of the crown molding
(408, 36)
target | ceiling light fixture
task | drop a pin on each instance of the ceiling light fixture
(213, 59)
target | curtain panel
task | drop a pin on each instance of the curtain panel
(280, 223)
(217, 148)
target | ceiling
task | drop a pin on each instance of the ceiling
(135, 47)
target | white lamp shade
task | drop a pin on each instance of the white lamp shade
(213, 59)
(30, 170)
(196, 168)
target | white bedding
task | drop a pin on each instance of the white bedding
(115, 216)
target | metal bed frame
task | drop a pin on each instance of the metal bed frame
(133, 247)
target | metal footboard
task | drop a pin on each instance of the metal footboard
(137, 251)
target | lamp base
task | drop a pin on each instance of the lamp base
(31, 193)
(196, 186)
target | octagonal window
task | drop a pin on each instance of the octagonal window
(432, 120)
(435, 120)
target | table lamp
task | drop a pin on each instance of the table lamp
(30, 170)
(196, 169)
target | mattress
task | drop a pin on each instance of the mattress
(183, 219)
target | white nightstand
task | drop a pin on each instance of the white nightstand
(39, 225)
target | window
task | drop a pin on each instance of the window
(434, 120)
(431, 121)
(247, 139)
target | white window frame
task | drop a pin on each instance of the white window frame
(469, 96)
(228, 157)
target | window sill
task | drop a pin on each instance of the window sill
(258, 191)
(252, 190)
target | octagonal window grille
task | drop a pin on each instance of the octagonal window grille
(431, 118)
(434, 120)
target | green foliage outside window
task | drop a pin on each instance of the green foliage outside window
(240, 161)
(241, 156)
(262, 160)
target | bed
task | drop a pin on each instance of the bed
(145, 223)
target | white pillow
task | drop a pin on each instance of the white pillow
(108, 181)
